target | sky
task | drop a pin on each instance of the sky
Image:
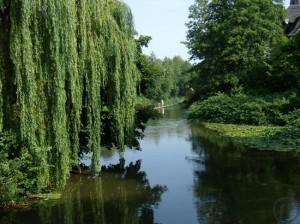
(164, 21)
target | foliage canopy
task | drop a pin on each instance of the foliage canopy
(61, 64)
(232, 41)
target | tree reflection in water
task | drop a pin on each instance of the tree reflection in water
(122, 195)
(242, 186)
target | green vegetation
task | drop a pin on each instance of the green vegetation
(233, 42)
(245, 109)
(69, 75)
(64, 65)
(259, 137)
(248, 71)
(73, 78)
(162, 79)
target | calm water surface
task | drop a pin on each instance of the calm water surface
(184, 175)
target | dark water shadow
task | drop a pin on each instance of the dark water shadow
(238, 185)
(122, 194)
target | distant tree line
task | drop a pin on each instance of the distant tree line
(161, 79)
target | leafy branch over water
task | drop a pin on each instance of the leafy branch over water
(61, 64)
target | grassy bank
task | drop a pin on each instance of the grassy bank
(269, 122)
(259, 137)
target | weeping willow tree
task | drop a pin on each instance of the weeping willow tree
(61, 63)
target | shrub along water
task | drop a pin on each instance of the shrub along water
(275, 138)
(268, 123)
(61, 63)
(245, 109)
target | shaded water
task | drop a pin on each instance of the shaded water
(183, 175)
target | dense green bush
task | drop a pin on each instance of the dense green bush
(293, 118)
(9, 179)
(242, 109)
(21, 171)
(9, 169)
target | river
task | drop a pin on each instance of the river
(181, 175)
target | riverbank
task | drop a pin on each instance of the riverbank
(30, 200)
(143, 101)
(273, 138)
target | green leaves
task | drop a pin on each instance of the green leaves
(285, 72)
(163, 79)
(230, 39)
(293, 118)
(259, 137)
(60, 63)
(242, 109)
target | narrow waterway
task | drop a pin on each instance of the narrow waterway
(182, 175)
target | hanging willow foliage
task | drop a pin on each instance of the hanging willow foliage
(61, 63)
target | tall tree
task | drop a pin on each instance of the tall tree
(61, 63)
(229, 39)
